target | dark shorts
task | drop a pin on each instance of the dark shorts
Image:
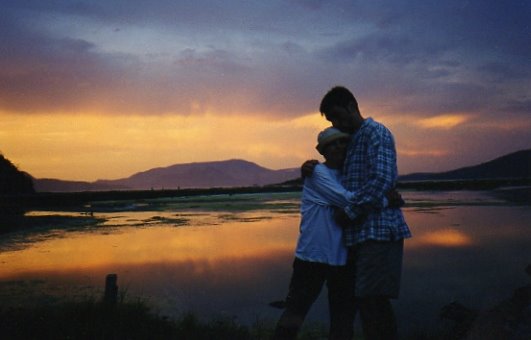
(378, 268)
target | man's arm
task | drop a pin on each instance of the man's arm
(392, 199)
(333, 192)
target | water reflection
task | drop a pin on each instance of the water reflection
(475, 255)
(235, 263)
(202, 240)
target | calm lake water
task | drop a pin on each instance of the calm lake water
(231, 255)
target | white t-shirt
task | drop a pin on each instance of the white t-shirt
(320, 238)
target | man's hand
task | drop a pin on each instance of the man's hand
(395, 199)
(307, 168)
(341, 218)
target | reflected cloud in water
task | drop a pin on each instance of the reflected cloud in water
(442, 238)
(157, 244)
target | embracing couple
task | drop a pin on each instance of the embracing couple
(352, 230)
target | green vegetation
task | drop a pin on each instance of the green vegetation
(278, 202)
(19, 222)
(13, 182)
(70, 216)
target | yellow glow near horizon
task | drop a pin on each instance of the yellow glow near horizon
(417, 153)
(443, 122)
(90, 147)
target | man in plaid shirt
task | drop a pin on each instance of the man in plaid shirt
(374, 234)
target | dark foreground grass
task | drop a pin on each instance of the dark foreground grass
(84, 320)
(92, 319)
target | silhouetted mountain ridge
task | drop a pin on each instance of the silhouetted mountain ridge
(229, 173)
(241, 173)
(513, 165)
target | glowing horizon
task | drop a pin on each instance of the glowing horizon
(102, 91)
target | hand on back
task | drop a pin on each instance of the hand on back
(307, 167)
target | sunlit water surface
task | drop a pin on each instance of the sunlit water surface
(200, 257)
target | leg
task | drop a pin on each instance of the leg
(378, 269)
(306, 283)
(378, 318)
(342, 302)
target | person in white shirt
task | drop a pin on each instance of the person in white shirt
(321, 255)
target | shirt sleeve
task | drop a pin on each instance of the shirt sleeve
(330, 189)
(381, 165)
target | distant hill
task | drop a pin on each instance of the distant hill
(229, 173)
(241, 173)
(514, 165)
(57, 185)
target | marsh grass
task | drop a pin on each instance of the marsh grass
(277, 202)
(18, 231)
(45, 222)
(87, 319)
(93, 319)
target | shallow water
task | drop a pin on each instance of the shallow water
(231, 255)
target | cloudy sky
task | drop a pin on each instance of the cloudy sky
(105, 88)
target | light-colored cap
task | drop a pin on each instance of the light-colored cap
(328, 135)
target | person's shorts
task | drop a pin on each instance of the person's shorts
(378, 267)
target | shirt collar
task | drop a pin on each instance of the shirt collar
(368, 121)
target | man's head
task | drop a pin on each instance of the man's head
(332, 143)
(340, 107)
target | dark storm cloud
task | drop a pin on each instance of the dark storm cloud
(518, 106)
(439, 56)
(423, 57)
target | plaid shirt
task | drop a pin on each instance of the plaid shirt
(370, 170)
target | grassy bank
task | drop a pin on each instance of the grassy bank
(91, 319)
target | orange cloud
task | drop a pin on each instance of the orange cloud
(443, 122)
(422, 153)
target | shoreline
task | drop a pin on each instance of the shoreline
(519, 189)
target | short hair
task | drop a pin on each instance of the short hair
(337, 96)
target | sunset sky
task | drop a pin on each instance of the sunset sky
(103, 89)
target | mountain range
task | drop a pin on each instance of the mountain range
(229, 173)
(241, 173)
(513, 165)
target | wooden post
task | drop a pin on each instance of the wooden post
(111, 290)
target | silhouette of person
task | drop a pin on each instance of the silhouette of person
(375, 237)
(320, 255)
